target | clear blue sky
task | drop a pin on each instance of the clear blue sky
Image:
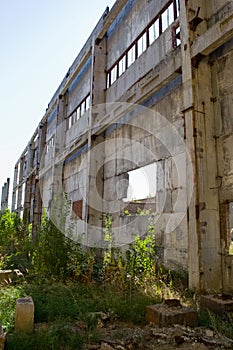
(39, 41)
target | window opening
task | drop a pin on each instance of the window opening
(177, 8)
(122, 65)
(177, 33)
(170, 14)
(142, 183)
(108, 80)
(79, 111)
(131, 56)
(154, 31)
(167, 17)
(113, 74)
(88, 102)
(50, 144)
(162, 21)
(82, 108)
(142, 44)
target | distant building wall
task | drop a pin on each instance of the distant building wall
(5, 195)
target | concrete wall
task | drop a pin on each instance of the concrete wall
(172, 106)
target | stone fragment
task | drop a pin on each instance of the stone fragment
(24, 315)
(219, 304)
(166, 314)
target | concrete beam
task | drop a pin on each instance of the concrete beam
(214, 37)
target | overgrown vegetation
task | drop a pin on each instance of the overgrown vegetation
(68, 283)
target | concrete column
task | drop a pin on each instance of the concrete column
(13, 203)
(203, 212)
(93, 209)
(36, 196)
(41, 140)
(37, 208)
(27, 197)
(207, 179)
(20, 188)
(57, 202)
(189, 119)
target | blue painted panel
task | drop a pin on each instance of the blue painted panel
(149, 102)
(76, 154)
(52, 115)
(121, 17)
(82, 71)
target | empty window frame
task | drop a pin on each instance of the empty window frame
(142, 183)
(154, 31)
(162, 21)
(87, 102)
(50, 144)
(131, 56)
(83, 108)
(168, 17)
(79, 111)
(122, 66)
(176, 36)
(142, 44)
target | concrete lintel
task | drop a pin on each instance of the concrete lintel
(214, 37)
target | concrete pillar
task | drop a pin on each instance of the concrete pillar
(27, 197)
(189, 119)
(41, 140)
(203, 212)
(93, 209)
(20, 187)
(37, 208)
(36, 196)
(57, 198)
(13, 203)
(24, 315)
(207, 207)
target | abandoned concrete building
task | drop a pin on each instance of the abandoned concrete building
(151, 90)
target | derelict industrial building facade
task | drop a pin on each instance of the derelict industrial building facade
(152, 85)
